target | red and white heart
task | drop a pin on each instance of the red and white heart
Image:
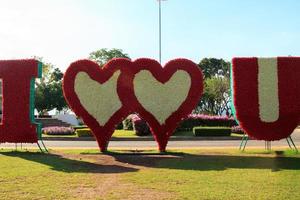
(92, 93)
(104, 97)
(163, 96)
(151, 93)
(96, 98)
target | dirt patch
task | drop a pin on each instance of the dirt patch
(113, 187)
(108, 183)
(135, 161)
(132, 192)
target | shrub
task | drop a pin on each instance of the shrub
(85, 132)
(58, 130)
(212, 131)
(237, 129)
(140, 126)
(119, 126)
(127, 123)
(79, 127)
(194, 120)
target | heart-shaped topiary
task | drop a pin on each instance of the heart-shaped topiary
(92, 93)
(163, 96)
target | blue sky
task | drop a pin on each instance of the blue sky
(63, 31)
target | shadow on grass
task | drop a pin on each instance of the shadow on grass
(185, 161)
(181, 161)
(59, 163)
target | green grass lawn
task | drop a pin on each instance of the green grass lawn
(189, 174)
(231, 176)
(124, 134)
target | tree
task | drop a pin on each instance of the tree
(49, 94)
(46, 70)
(216, 94)
(214, 67)
(102, 56)
(215, 98)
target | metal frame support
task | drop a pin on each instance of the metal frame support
(268, 144)
(244, 142)
(42, 146)
(291, 144)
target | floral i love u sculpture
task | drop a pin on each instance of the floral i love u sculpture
(162, 96)
(266, 96)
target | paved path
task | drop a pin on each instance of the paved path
(171, 144)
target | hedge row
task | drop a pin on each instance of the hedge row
(212, 131)
(79, 127)
(85, 132)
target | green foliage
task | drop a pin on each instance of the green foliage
(85, 132)
(42, 96)
(56, 75)
(103, 55)
(79, 127)
(119, 126)
(127, 123)
(214, 67)
(46, 70)
(49, 94)
(140, 126)
(212, 131)
(216, 94)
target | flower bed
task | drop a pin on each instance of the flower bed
(194, 120)
(57, 130)
(140, 126)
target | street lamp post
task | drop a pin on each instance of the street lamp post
(159, 29)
